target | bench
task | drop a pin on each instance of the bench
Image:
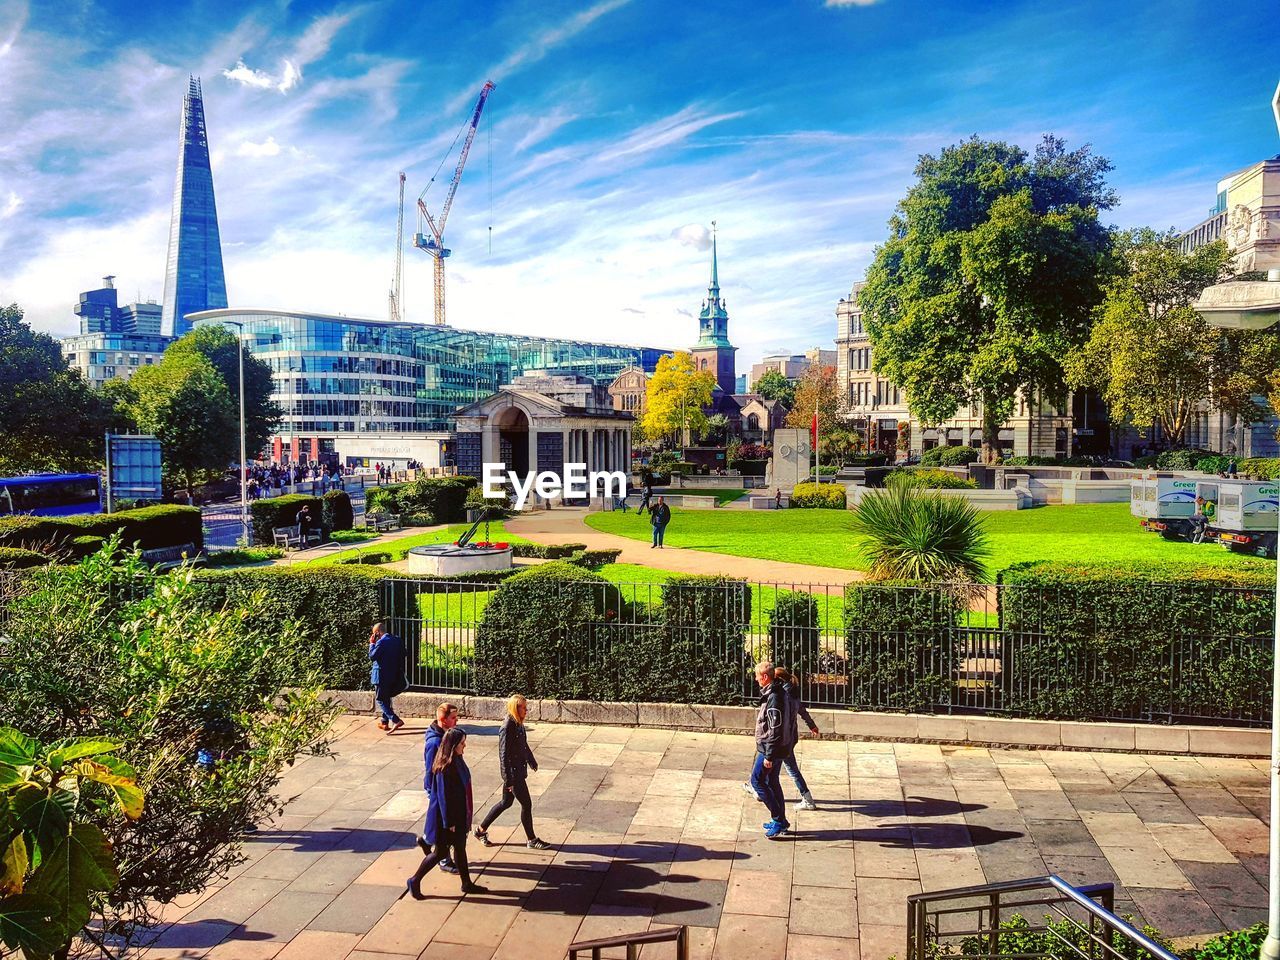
(168, 558)
(381, 522)
(288, 537)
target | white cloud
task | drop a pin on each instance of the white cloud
(11, 206)
(15, 13)
(268, 148)
(694, 235)
(289, 77)
(542, 128)
(250, 78)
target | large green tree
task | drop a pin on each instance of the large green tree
(1153, 358)
(184, 402)
(994, 263)
(220, 347)
(774, 386)
(50, 419)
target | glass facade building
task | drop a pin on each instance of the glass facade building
(341, 376)
(194, 279)
(114, 340)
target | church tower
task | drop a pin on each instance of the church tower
(713, 351)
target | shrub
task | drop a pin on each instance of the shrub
(18, 558)
(498, 507)
(704, 623)
(417, 519)
(1259, 468)
(43, 534)
(1058, 939)
(242, 556)
(109, 650)
(442, 497)
(150, 527)
(1138, 641)
(1181, 459)
(81, 547)
(901, 645)
(546, 551)
(949, 456)
(279, 512)
(1031, 461)
(912, 534)
(597, 558)
(385, 499)
(795, 634)
(1214, 464)
(336, 512)
(1236, 945)
(930, 480)
(818, 496)
(367, 557)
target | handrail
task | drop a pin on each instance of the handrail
(1083, 897)
(632, 941)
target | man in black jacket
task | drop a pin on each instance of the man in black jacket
(659, 517)
(774, 742)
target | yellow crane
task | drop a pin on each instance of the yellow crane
(433, 244)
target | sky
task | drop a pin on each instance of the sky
(618, 132)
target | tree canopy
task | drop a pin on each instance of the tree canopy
(220, 347)
(816, 392)
(676, 395)
(1152, 357)
(994, 264)
(50, 418)
(774, 386)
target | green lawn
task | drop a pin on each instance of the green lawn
(722, 495)
(1097, 532)
(400, 548)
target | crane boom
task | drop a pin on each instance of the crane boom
(395, 309)
(435, 245)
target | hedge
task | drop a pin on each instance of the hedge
(151, 528)
(546, 551)
(596, 558)
(336, 511)
(1137, 642)
(949, 456)
(16, 558)
(931, 479)
(795, 639)
(1259, 468)
(276, 512)
(900, 644)
(442, 498)
(829, 496)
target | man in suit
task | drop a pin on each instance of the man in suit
(386, 651)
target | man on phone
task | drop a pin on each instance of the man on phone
(386, 651)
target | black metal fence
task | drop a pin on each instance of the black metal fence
(1008, 650)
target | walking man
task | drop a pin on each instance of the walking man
(446, 719)
(646, 494)
(659, 517)
(386, 651)
(773, 746)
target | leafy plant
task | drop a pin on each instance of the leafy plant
(1234, 945)
(830, 496)
(912, 534)
(53, 862)
(929, 480)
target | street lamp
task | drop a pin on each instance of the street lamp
(244, 480)
(1255, 305)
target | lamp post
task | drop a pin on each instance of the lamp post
(1255, 305)
(244, 480)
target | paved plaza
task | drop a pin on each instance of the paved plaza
(652, 828)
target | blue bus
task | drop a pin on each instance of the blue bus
(50, 494)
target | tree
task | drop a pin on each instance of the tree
(185, 403)
(989, 277)
(816, 391)
(1153, 358)
(221, 348)
(774, 386)
(675, 397)
(714, 428)
(50, 418)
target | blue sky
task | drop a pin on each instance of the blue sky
(618, 131)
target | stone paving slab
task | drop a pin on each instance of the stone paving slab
(651, 829)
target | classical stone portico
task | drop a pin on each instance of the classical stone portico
(540, 423)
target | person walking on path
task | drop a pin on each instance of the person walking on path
(387, 674)
(646, 494)
(659, 517)
(448, 813)
(515, 759)
(796, 713)
(446, 719)
(773, 746)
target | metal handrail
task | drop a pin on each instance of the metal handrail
(633, 942)
(1084, 897)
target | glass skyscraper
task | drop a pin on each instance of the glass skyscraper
(193, 279)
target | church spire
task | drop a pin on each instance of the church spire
(713, 291)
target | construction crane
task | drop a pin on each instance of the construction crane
(393, 299)
(434, 244)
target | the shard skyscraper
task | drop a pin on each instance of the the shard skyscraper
(193, 279)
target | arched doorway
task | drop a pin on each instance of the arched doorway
(513, 439)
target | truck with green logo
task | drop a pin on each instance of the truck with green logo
(1166, 505)
(1247, 514)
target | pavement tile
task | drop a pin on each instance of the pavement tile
(1147, 865)
(535, 936)
(743, 937)
(873, 859)
(357, 908)
(1187, 841)
(688, 900)
(285, 915)
(759, 894)
(829, 911)
(455, 951)
(823, 865)
(478, 922)
(1176, 913)
(1225, 884)
(878, 941)
(1240, 835)
(406, 928)
(319, 945)
(237, 901)
(805, 947)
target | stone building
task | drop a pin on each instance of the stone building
(629, 391)
(541, 422)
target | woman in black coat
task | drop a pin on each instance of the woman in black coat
(515, 759)
(448, 813)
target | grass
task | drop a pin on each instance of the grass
(400, 548)
(723, 495)
(1101, 533)
(352, 536)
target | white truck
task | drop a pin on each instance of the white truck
(1247, 514)
(1166, 505)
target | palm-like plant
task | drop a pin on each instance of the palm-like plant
(915, 534)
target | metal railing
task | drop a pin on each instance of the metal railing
(633, 942)
(1000, 650)
(991, 921)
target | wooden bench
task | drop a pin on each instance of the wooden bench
(381, 522)
(288, 537)
(168, 558)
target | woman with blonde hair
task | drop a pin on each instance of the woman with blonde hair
(515, 759)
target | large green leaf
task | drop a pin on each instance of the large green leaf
(12, 776)
(77, 867)
(73, 749)
(120, 777)
(46, 815)
(16, 749)
(14, 862)
(28, 923)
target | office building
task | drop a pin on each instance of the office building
(194, 279)
(363, 391)
(114, 340)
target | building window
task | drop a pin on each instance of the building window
(753, 422)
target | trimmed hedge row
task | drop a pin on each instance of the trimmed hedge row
(336, 511)
(443, 499)
(949, 456)
(818, 496)
(546, 551)
(930, 479)
(152, 528)
(16, 558)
